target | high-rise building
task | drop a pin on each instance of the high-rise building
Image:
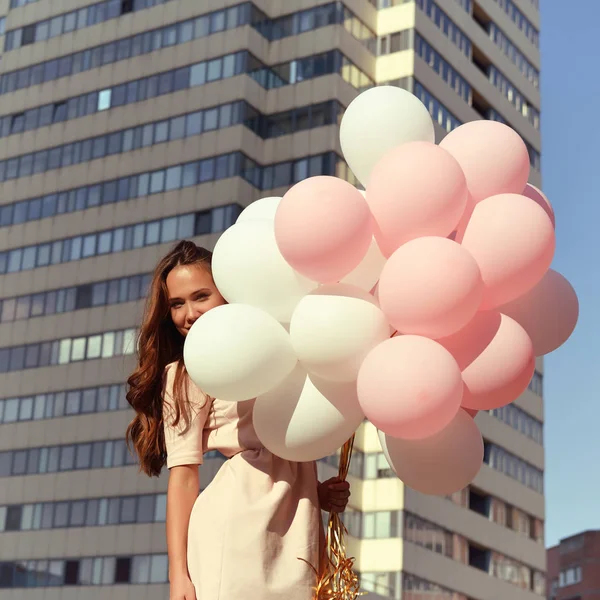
(128, 124)
(574, 568)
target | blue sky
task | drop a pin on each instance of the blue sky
(571, 179)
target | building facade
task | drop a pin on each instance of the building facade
(574, 568)
(129, 124)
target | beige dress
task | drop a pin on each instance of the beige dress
(258, 517)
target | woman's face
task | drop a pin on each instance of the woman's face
(192, 292)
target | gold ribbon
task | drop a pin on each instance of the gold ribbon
(337, 579)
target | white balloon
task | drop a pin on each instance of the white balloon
(366, 275)
(378, 120)
(265, 208)
(306, 418)
(334, 328)
(236, 352)
(248, 268)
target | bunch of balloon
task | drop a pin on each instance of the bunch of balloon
(414, 303)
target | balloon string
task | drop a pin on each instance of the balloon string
(337, 579)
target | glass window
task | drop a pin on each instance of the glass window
(84, 456)
(97, 455)
(207, 170)
(211, 119)
(78, 349)
(169, 230)
(61, 514)
(173, 178)
(64, 351)
(39, 407)
(104, 99)
(228, 66)
(104, 242)
(108, 343)
(32, 356)
(214, 69)
(202, 26)
(14, 261)
(11, 410)
(8, 310)
(193, 124)
(140, 569)
(185, 227)
(17, 358)
(177, 128)
(77, 518)
(157, 182)
(186, 32)
(89, 246)
(161, 132)
(145, 509)
(73, 402)
(47, 514)
(94, 347)
(198, 74)
(26, 409)
(67, 458)
(165, 83)
(217, 21)
(158, 568)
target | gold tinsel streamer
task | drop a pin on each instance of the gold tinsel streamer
(337, 580)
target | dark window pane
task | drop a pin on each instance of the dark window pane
(13, 518)
(71, 572)
(123, 570)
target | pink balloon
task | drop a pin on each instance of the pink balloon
(323, 228)
(409, 387)
(471, 412)
(493, 157)
(441, 464)
(513, 241)
(430, 286)
(415, 190)
(548, 312)
(496, 358)
(540, 198)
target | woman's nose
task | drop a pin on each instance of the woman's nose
(192, 314)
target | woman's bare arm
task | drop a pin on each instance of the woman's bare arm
(183, 489)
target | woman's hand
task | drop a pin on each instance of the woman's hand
(182, 588)
(333, 495)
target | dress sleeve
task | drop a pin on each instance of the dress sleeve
(184, 447)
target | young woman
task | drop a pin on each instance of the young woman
(254, 531)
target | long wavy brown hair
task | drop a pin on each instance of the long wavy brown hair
(159, 344)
